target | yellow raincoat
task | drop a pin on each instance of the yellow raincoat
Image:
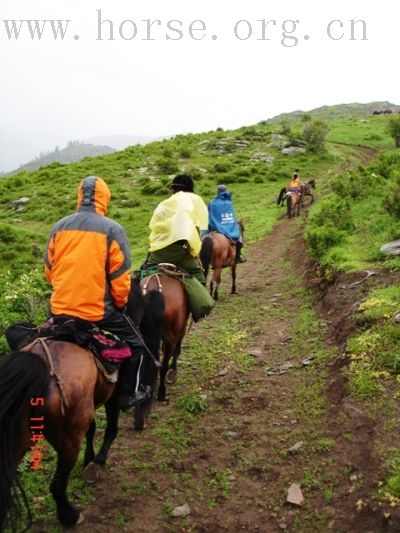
(179, 217)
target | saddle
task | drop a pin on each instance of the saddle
(108, 348)
(199, 301)
(168, 269)
(229, 239)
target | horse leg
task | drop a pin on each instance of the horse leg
(112, 412)
(162, 392)
(215, 283)
(289, 206)
(233, 272)
(89, 451)
(172, 371)
(67, 453)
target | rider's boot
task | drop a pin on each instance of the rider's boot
(132, 391)
(238, 258)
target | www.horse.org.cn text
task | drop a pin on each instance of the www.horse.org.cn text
(288, 33)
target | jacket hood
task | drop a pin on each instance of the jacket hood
(226, 195)
(94, 195)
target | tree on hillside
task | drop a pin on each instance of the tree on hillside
(314, 134)
(393, 129)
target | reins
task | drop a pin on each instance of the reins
(50, 362)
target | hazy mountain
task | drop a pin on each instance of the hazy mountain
(338, 111)
(74, 151)
(119, 142)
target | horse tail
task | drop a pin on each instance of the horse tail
(152, 329)
(281, 195)
(23, 377)
(289, 205)
(206, 254)
(152, 324)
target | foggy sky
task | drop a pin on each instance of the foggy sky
(174, 76)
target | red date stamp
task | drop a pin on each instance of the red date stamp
(37, 436)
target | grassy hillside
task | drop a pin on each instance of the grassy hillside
(356, 211)
(248, 159)
(338, 112)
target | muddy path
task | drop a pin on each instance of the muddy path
(268, 365)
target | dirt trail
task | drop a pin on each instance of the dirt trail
(364, 154)
(234, 468)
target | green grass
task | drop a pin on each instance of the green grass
(375, 352)
(365, 131)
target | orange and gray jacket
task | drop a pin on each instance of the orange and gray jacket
(87, 258)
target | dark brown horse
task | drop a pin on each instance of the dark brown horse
(51, 389)
(164, 322)
(306, 190)
(219, 252)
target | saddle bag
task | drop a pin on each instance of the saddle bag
(199, 300)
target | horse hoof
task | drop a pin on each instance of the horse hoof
(162, 399)
(170, 376)
(80, 519)
(91, 473)
(140, 427)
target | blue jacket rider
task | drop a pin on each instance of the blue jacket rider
(222, 218)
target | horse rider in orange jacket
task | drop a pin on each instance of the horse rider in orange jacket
(88, 265)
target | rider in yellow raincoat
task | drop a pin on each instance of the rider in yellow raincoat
(175, 228)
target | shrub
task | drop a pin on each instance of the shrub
(356, 184)
(334, 211)
(286, 128)
(314, 134)
(393, 128)
(185, 152)
(8, 234)
(167, 166)
(151, 187)
(167, 152)
(391, 201)
(321, 238)
(242, 172)
(222, 167)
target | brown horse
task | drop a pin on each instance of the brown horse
(58, 407)
(305, 189)
(219, 252)
(51, 390)
(164, 322)
(293, 201)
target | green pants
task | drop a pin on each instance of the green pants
(178, 254)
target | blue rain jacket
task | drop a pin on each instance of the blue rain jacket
(222, 217)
